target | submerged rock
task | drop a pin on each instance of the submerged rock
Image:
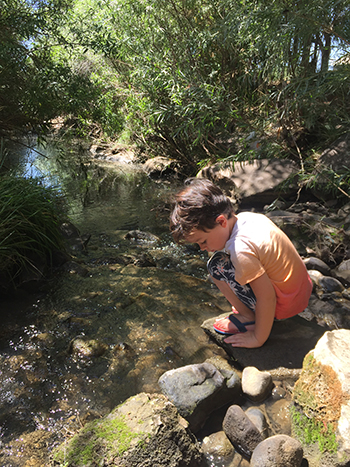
(81, 347)
(217, 444)
(259, 420)
(141, 237)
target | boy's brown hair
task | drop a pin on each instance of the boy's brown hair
(196, 207)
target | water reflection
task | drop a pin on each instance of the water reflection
(120, 196)
(145, 315)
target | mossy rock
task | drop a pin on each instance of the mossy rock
(318, 398)
(145, 430)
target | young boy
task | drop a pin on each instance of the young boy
(255, 266)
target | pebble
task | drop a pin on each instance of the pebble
(241, 431)
(278, 451)
(256, 385)
(259, 420)
(217, 444)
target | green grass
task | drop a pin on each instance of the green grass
(30, 217)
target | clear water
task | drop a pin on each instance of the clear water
(146, 320)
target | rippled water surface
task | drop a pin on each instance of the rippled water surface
(139, 318)
(108, 327)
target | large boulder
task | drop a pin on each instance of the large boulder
(336, 157)
(198, 390)
(290, 340)
(259, 181)
(160, 167)
(322, 397)
(145, 430)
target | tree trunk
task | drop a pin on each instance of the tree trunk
(326, 52)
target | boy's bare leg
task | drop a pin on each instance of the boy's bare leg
(244, 314)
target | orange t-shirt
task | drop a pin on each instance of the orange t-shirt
(257, 246)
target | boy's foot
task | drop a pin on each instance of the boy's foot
(231, 325)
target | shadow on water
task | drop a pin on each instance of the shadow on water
(108, 331)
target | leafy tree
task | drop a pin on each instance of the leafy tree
(199, 74)
(191, 77)
(38, 78)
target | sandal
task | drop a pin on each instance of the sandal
(241, 327)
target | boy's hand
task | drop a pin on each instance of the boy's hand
(244, 339)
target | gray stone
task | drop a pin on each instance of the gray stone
(343, 270)
(259, 420)
(290, 340)
(233, 380)
(336, 157)
(315, 276)
(278, 451)
(330, 284)
(256, 385)
(258, 180)
(323, 313)
(197, 391)
(145, 430)
(241, 431)
(217, 444)
(318, 265)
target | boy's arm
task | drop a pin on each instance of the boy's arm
(264, 315)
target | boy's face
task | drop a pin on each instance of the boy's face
(213, 239)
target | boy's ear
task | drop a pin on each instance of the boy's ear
(221, 219)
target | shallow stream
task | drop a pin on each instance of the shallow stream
(135, 306)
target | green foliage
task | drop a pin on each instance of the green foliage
(190, 78)
(326, 181)
(30, 217)
(41, 77)
(197, 74)
(24, 67)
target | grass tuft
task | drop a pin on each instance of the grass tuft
(30, 218)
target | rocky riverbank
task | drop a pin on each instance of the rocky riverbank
(156, 430)
(128, 308)
(320, 231)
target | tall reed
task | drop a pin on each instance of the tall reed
(30, 216)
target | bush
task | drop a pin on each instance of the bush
(29, 227)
